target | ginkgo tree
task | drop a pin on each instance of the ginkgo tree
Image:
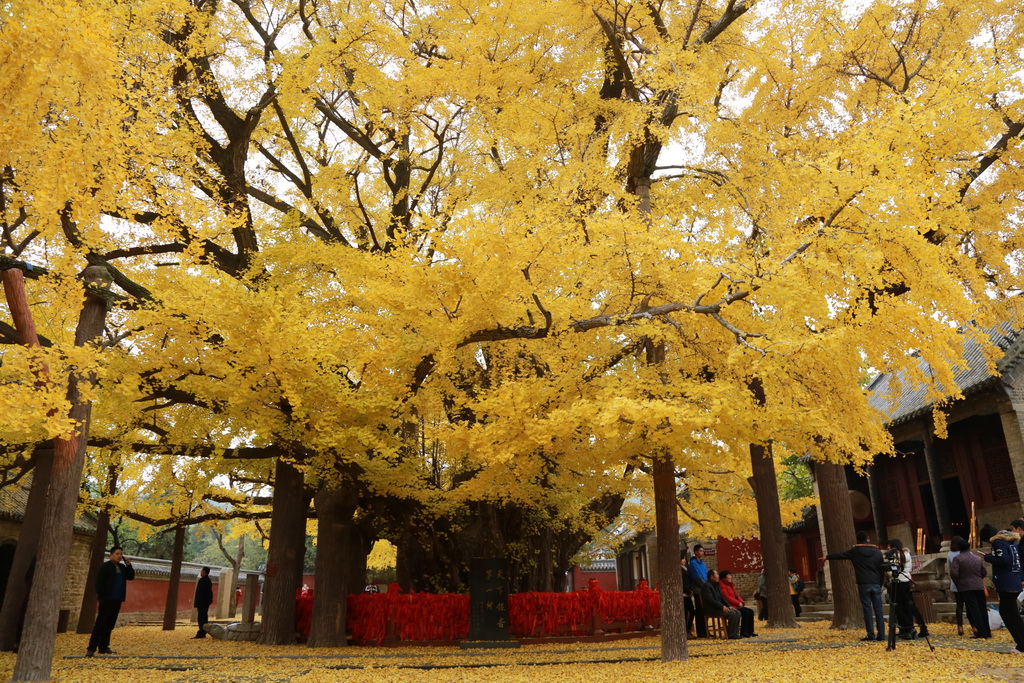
(702, 219)
(834, 191)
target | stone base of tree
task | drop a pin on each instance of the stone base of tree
(235, 631)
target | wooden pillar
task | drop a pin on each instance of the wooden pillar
(1011, 417)
(875, 492)
(931, 459)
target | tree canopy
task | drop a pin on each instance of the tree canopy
(427, 252)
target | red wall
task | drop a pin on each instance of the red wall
(146, 594)
(740, 555)
(581, 579)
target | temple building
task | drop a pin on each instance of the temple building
(932, 484)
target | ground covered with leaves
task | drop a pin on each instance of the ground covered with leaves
(810, 653)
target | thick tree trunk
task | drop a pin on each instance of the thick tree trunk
(666, 515)
(284, 558)
(87, 614)
(773, 540)
(334, 510)
(35, 653)
(171, 606)
(837, 520)
(25, 552)
(32, 524)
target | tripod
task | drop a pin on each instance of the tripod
(891, 642)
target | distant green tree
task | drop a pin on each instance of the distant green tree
(794, 479)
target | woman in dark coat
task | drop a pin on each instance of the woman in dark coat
(968, 573)
(1006, 575)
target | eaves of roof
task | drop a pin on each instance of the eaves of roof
(913, 400)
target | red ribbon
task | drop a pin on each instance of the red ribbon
(427, 616)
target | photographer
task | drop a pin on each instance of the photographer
(906, 611)
(869, 568)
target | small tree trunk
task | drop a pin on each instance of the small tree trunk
(35, 654)
(236, 565)
(666, 515)
(87, 614)
(360, 545)
(334, 510)
(171, 606)
(837, 520)
(773, 540)
(284, 558)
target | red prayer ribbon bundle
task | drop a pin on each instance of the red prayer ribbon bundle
(420, 617)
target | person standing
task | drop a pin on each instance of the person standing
(869, 568)
(906, 611)
(688, 606)
(1017, 526)
(203, 600)
(698, 571)
(796, 587)
(762, 597)
(960, 603)
(111, 590)
(968, 574)
(1006, 575)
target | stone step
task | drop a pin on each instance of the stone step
(823, 611)
(816, 607)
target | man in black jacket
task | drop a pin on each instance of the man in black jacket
(111, 590)
(714, 605)
(869, 567)
(204, 598)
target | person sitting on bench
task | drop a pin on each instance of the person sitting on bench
(715, 606)
(733, 599)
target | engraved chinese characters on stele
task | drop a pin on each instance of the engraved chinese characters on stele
(488, 599)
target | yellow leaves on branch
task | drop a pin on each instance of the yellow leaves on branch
(336, 204)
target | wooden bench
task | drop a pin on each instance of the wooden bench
(716, 627)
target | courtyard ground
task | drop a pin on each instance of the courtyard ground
(809, 653)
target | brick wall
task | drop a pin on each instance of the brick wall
(746, 585)
(74, 578)
(73, 584)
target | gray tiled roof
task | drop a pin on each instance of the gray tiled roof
(149, 566)
(599, 565)
(911, 399)
(14, 498)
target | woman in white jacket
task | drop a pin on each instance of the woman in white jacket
(906, 610)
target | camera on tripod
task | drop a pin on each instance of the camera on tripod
(894, 561)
